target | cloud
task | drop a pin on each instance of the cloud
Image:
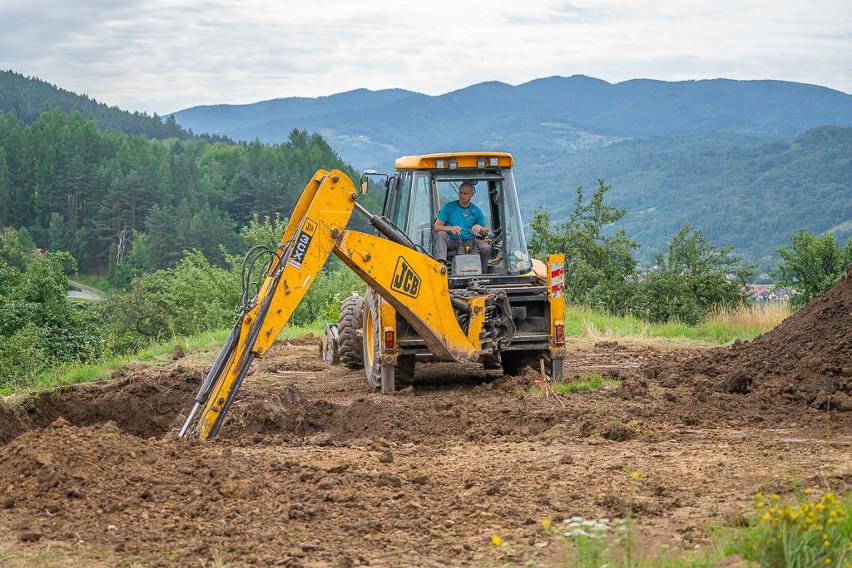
(165, 55)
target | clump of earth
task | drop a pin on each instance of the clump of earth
(313, 468)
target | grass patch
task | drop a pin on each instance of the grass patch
(804, 533)
(593, 381)
(99, 282)
(207, 343)
(723, 327)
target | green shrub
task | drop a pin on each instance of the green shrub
(193, 296)
(691, 281)
(39, 327)
(322, 302)
(812, 265)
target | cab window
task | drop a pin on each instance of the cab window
(419, 227)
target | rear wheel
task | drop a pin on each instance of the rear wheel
(348, 343)
(404, 370)
(515, 362)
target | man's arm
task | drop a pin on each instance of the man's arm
(442, 220)
(441, 226)
(480, 228)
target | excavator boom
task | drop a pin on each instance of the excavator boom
(318, 219)
(411, 281)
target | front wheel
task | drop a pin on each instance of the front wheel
(379, 376)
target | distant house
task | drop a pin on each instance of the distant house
(768, 293)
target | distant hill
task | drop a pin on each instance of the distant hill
(738, 189)
(557, 112)
(720, 154)
(27, 98)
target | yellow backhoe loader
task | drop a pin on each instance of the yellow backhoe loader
(507, 312)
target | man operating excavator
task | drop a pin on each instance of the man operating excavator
(457, 226)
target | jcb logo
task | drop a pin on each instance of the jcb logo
(405, 280)
(303, 241)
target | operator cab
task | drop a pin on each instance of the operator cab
(423, 184)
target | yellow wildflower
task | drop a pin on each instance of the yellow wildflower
(496, 540)
(635, 475)
(545, 523)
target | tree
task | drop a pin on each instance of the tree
(266, 231)
(692, 279)
(39, 328)
(599, 268)
(811, 265)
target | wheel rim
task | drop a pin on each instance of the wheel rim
(369, 344)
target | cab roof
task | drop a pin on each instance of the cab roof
(463, 160)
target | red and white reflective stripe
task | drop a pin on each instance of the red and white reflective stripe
(557, 279)
(557, 271)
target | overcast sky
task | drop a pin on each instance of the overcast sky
(167, 55)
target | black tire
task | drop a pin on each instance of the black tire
(514, 362)
(349, 346)
(556, 368)
(380, 375)
(404, 371)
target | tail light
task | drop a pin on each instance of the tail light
(390, 339)
(559, 333)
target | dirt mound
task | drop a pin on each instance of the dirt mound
(142, 400)
(805, 361)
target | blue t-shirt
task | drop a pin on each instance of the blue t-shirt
(452, 214)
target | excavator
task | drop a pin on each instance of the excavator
(506, 314)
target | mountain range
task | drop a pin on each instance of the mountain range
(725, 156)
(748, 163)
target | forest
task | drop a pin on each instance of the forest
(28, 97)
(127, 204)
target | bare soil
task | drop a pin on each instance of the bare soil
(312, 468)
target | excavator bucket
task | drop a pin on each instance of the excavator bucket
(329, 346)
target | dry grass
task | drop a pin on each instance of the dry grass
(752, 316)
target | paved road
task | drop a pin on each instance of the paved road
(85, 293)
